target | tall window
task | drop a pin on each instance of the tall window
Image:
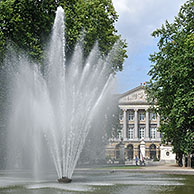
(131, 115)
(130, 132)
(152, 116)
(141, 132)
(120, 131)
(121, 115)
(153, 132)
(141, 116)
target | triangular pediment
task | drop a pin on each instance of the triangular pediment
(136, 95)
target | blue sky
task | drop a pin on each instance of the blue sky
(137, 20)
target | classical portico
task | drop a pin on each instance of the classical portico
(139, 124)
(139, 127)
(137, 121)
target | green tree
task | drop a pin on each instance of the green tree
(28, 23)
(172, 80)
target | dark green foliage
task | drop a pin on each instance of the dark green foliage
(172, 79)
(28, 23)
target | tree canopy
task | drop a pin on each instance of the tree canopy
(28, 24)
(172, 79)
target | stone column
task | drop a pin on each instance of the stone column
(136, 124)
(125, 124)
(147, 129)
(142, 149)
(158, 125)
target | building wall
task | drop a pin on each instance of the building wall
(113, 148)
(166, 153)
(139, 124)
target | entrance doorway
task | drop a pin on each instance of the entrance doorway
(152, 151)
(130, 152)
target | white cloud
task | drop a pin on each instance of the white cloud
(128, 7)
(137, 20)
(137, 9)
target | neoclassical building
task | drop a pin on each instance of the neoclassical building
(139, 135)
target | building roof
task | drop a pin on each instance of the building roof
(132, 90)
(134, 96)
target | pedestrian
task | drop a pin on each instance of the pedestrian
(136, 160)
(143, 161)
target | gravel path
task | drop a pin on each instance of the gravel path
(168, 168)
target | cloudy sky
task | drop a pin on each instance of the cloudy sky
(137, 20)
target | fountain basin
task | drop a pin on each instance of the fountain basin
(64, 180)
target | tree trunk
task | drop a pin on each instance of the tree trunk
(189, 161)
(179, 158)
(184, 163)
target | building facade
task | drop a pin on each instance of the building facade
(139, 136)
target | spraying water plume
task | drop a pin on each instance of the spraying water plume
(58, 105)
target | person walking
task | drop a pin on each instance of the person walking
(143, 161)
(136, 160)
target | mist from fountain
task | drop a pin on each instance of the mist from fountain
(55, 108)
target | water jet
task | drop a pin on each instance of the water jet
(52, 110)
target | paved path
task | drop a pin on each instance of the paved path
(164, 169)
(168, 168)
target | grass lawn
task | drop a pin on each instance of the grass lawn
(120, 167)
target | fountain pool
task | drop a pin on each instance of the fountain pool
(99, 182)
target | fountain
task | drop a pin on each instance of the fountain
(52, 107)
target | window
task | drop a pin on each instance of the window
(131, 115)
(152, 116)
(141, 132)
(153, 132)
(130, 132)
(141, 116)
(121, 115)
(120, 131)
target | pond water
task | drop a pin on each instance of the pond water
(98, 182)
